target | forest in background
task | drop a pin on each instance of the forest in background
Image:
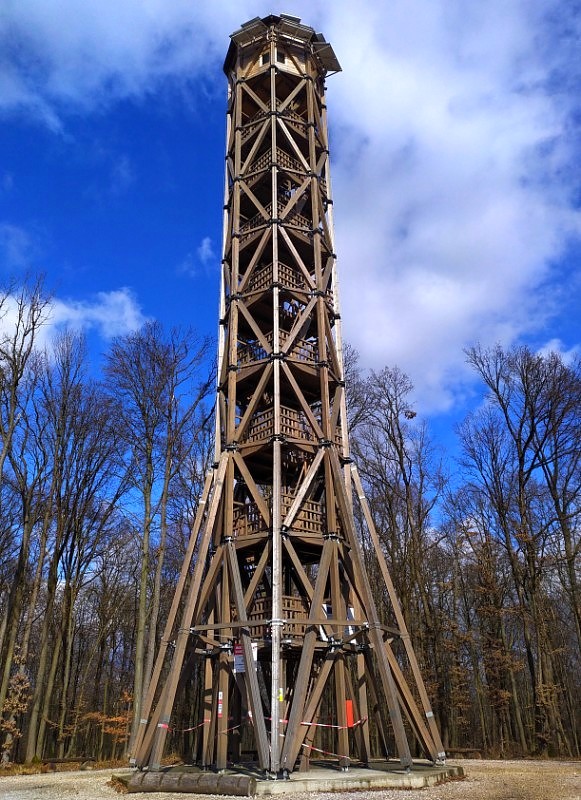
(100, 480)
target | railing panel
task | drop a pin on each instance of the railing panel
(293, 424)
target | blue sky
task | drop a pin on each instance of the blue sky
(455, 158)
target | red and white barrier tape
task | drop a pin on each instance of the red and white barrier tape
(324, 752)
(249, 719)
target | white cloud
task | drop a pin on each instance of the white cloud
(111, 313)
(453, 182)
(568, 355)
(16, 248)
(205, 256)
(453, 148)
(62, 52)
(187, 266)
(205, 251)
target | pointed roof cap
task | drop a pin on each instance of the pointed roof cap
(289, 27)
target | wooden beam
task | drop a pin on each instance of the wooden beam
(167, 699)
(369, 604)
(437, 753)
(250, 674)
(168, 628)
(293, 735)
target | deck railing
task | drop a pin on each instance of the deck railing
(258, 221)
(303, 350)
(310, 519)
(293, 425)
(287, 277)
(283, 160)
(294, 612)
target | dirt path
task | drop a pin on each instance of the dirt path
(487, 780)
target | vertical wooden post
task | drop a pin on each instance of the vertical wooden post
(208, 718)
(276, 606)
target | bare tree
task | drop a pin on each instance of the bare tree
(80, 436)
(22, 314)
(510, 449)
(488, 604)
(161, 384)
(404, 482)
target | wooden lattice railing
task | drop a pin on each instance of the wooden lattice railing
(287, 276)
(303, 350)
(310, 519)
(258, 221)
(294, 611)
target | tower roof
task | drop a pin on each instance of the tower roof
(288, 27)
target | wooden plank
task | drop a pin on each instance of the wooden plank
(253, 404)
(339, 611)
(167, 700)
(290, 138)
(410, 706)
(375, 637)
(380, 720)
(304, 582)
(257, 254)
(283, 105)
(253, 488)
(304, 489)
(255, 328)
(311, 714)
(251, 93)
(250, 674)
(438, 752)
(224, 673)
(299, 326)
(250, 594)
(298, 193)
(361, 730)
(303, 403)
(298, 260)
(256, 202)
(331, 349)
(168, 628)
(257, 142)
(276, 572)
(208, 584)
(293, 735)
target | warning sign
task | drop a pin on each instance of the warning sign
(239, 660)
(239, 663)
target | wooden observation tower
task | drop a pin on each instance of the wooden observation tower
(274, 633)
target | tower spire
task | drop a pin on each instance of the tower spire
(280, 647)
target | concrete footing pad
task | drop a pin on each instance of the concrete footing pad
(321, 777)
(379, 775)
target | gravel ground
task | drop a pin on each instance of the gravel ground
(486, 780)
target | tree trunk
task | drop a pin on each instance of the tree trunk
(15, 606)
(138, 681)
(47, 702)
(67, 631)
